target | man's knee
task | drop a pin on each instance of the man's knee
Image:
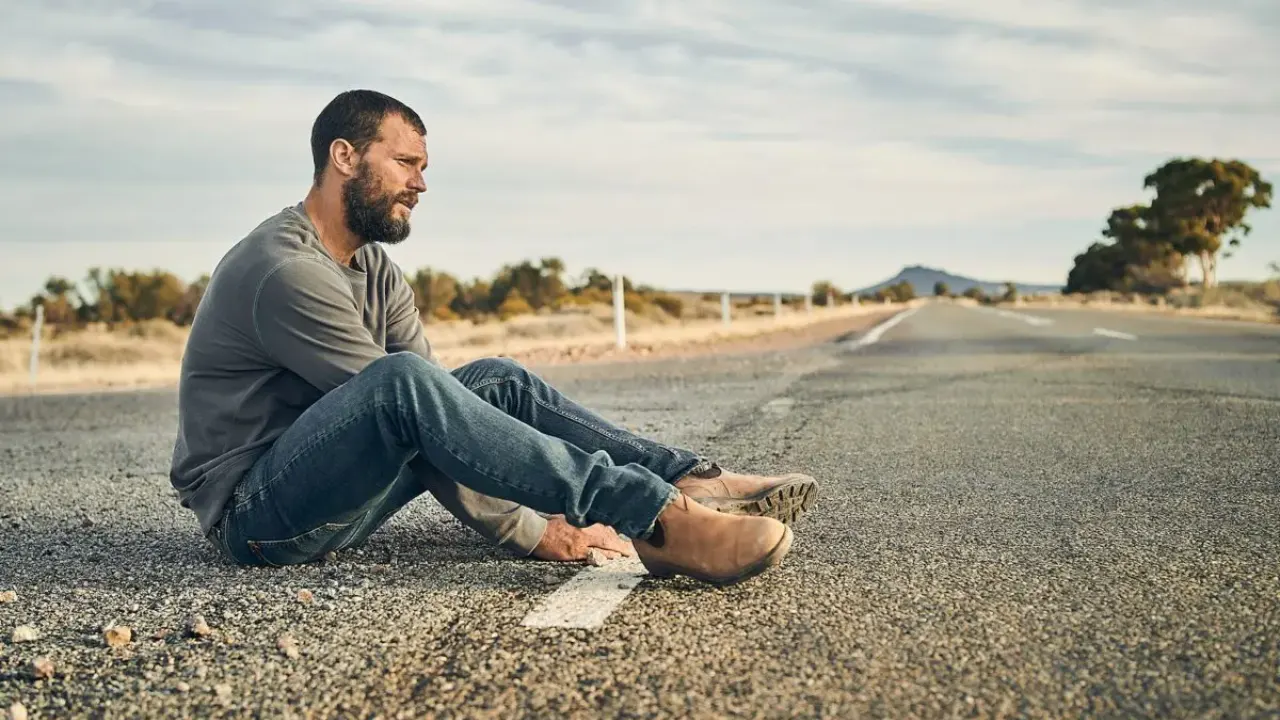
(494, 367)
(402, 364)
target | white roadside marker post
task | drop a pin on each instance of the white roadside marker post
(777, 306)
(808, 302)
(724, 307)
(831, 299)
(35, 344)
(619, 311)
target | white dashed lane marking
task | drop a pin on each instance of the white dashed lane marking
(778, 406)
(873, 335)
(589, 597)
(1028, 319)
(1114, 334)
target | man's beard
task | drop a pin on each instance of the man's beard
(369, 214)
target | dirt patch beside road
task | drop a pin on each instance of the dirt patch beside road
(819, 332)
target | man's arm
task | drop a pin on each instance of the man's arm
(404, 322)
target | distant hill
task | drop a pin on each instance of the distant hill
(924, 278)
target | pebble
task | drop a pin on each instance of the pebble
(41, 668)
(596, 558)
(8, 596)
(223, 691)
(25, 633)
(182, 687)
(305, 596)
(18, 711)
(288, 646)
(118, 636)
(197, 627)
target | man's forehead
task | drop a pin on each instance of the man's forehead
(401, 136)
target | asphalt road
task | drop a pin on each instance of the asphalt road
(1032, 513)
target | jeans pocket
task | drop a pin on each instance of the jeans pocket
(304, 548)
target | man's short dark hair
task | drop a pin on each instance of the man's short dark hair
(354, 116)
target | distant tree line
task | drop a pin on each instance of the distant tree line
(117, 296)
(1199, 207)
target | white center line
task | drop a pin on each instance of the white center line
(873, 335)
(587, 599)
(778, 406)
(1028, 319)
(1114, 334)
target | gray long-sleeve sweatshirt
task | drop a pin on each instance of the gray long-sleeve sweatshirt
(280, 324)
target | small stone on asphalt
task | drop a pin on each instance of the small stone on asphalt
(118, 636)
(197, 627)
(288, 646)
(25, 633)
(41, 668)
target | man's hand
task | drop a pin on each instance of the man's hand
(563, 542)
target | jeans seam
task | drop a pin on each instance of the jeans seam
(534, 396)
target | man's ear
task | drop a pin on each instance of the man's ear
(343, 157)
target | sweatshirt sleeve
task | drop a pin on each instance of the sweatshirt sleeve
(305, 319)
(404, 323)
(506, 524)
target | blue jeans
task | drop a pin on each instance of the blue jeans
(489, 431)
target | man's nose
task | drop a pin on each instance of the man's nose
(418, 183)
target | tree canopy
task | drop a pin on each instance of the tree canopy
(1197, 205)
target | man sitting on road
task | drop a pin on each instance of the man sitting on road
(311, 406)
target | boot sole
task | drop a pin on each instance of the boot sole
(772, 558)
(785, 503)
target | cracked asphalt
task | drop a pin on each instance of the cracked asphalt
(1016, 520)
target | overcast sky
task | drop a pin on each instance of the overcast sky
(740, 145)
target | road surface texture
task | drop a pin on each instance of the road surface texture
(1024, 513)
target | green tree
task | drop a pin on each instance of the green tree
(539, 285)
(130, 296)
(1010, 292)
(472, 299)
(975, 293)
(433, 292)
(940, 289)
(1147, 257)
(822, 289)
(1199, 203)
(901, 291)
(1101, 267)
(59, 306)
(513, 304)
(185, 311)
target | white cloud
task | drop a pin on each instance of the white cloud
(653, 120)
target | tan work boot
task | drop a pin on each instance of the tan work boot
(784, 498)
(690, 539)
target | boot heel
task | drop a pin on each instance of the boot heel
(662, 572)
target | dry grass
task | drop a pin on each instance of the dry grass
(1257, 302)
(150, 354)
